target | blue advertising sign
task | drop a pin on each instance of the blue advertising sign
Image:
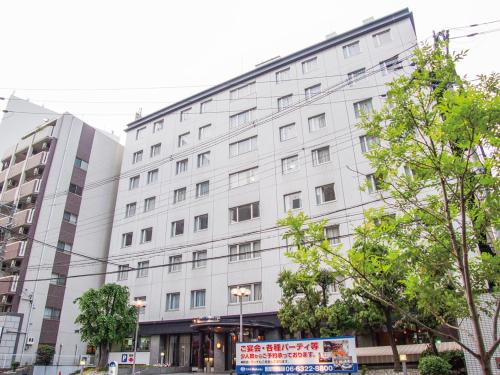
(325, 355)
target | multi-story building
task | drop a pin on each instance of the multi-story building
(55, 222)
(206, 179)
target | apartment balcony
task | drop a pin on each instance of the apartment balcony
(4, 220)
(23, 218)
(16, 169)
(8, 196)
(8, 285)
(29, 188)
(14, 250)
(3, 175)
(37, 160)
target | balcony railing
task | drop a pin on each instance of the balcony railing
(24, 217)
(14, 250)
(4, 220)
(29, 188)
(3, 175)
(8, 284)
(8, 196)
(16, 169)
(37, 160)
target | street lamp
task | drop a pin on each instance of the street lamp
(241, 292)
(138, 305)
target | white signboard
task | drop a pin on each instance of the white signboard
(325, 355)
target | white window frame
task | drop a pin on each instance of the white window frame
(123, 271)
(289, 199)
(181, 166)
(137, 156)
(199, 259)
(180, 193)
(204, 105)
(353, 76)
(252, 141)
(316, 156)
(144, 235)
(335, 238)
(309, 65)
(237, 255)
(379, 38)
(125, 236)
(69, 217)
(390, 65)
(283, 132)
(363, 106)
(255, 293)
(286, 166)
(320, 194)
(158, 126)
(184, 114)
(372, 183)
(175, 263)
(198, 220)
(204, 132)
(203, 159)
(143, 269)
(173, 228)
(183, 140)
(133, 182)
(282, 75)
(82, 164)
(285, 102)
(194, 298)
(366, 142)
(242, 91)
(170, 298)
(316, 122)
(242, 118)
(155, 150)
(64, 246)
(199, 189)
(152, 176)
(244, 177)
(237, 209)
(139, 133)
(349, 50)
(312, 91)
(149, 204)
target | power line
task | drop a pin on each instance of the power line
(475, 34)
(472, 25)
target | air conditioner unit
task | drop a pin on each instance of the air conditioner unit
(45, 146)
(30, 341)
(36, 171)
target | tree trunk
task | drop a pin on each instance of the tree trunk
(432, 342)
(390, 331)
(103, 355)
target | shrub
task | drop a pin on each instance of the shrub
(455, 358)
(45, 354)
(433, 365)
(14, 365)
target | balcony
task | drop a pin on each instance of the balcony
(8, 196)
(4, 220)
(3, 175)
(14, 250)
(8, 284)
(22, 218)
(36, 160)
(16, 169)
(29, 188)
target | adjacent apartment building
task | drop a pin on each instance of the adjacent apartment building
(55, 221)
(204, 181)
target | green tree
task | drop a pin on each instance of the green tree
(45, 354)
(437, 166)
(106, 317)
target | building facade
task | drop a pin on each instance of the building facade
(206, 179)
(55, 222)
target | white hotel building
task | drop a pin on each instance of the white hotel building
(205, 180)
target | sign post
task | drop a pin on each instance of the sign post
(325, 355)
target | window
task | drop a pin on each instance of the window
(155, 150)
(205, 106)
(64, 246)
(367, 142)
(152, 176)
(174, 263)
(244, 212)
(149, 204)
(142, 310)
(243, 146)
(198, 298)
(52, 313)
(179, 195)
(157, 126)
(287, 132)
(181, 166)
(130, 209)
(353, 76)
(70, 218)
(352, 49)
(292, 201)
(242, 118)
(373, 183)
(200, 222)
(290, 164)
(177, 228)
(312, 91)
(255, 293)
(244, 251)
(82, 164)
(316, 122)
(146, 235)
(242, 91)
(202, 189)
(204, 159)
(321, 155)
(137, 157)
(284, 102)
(282, 75)
(173, 301)
(199, 259)
(390, 65)
(75, 189)
(204, 132)
(325, 193)
(133, 182)
(127, 239)
(123, 272)
(309, 65)
(183, 140)
(184, 115)
(363, 107)
(143, 269)
(382, 38)
(139, 133)
(243, 177)
(57, 279)
(332, 234)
